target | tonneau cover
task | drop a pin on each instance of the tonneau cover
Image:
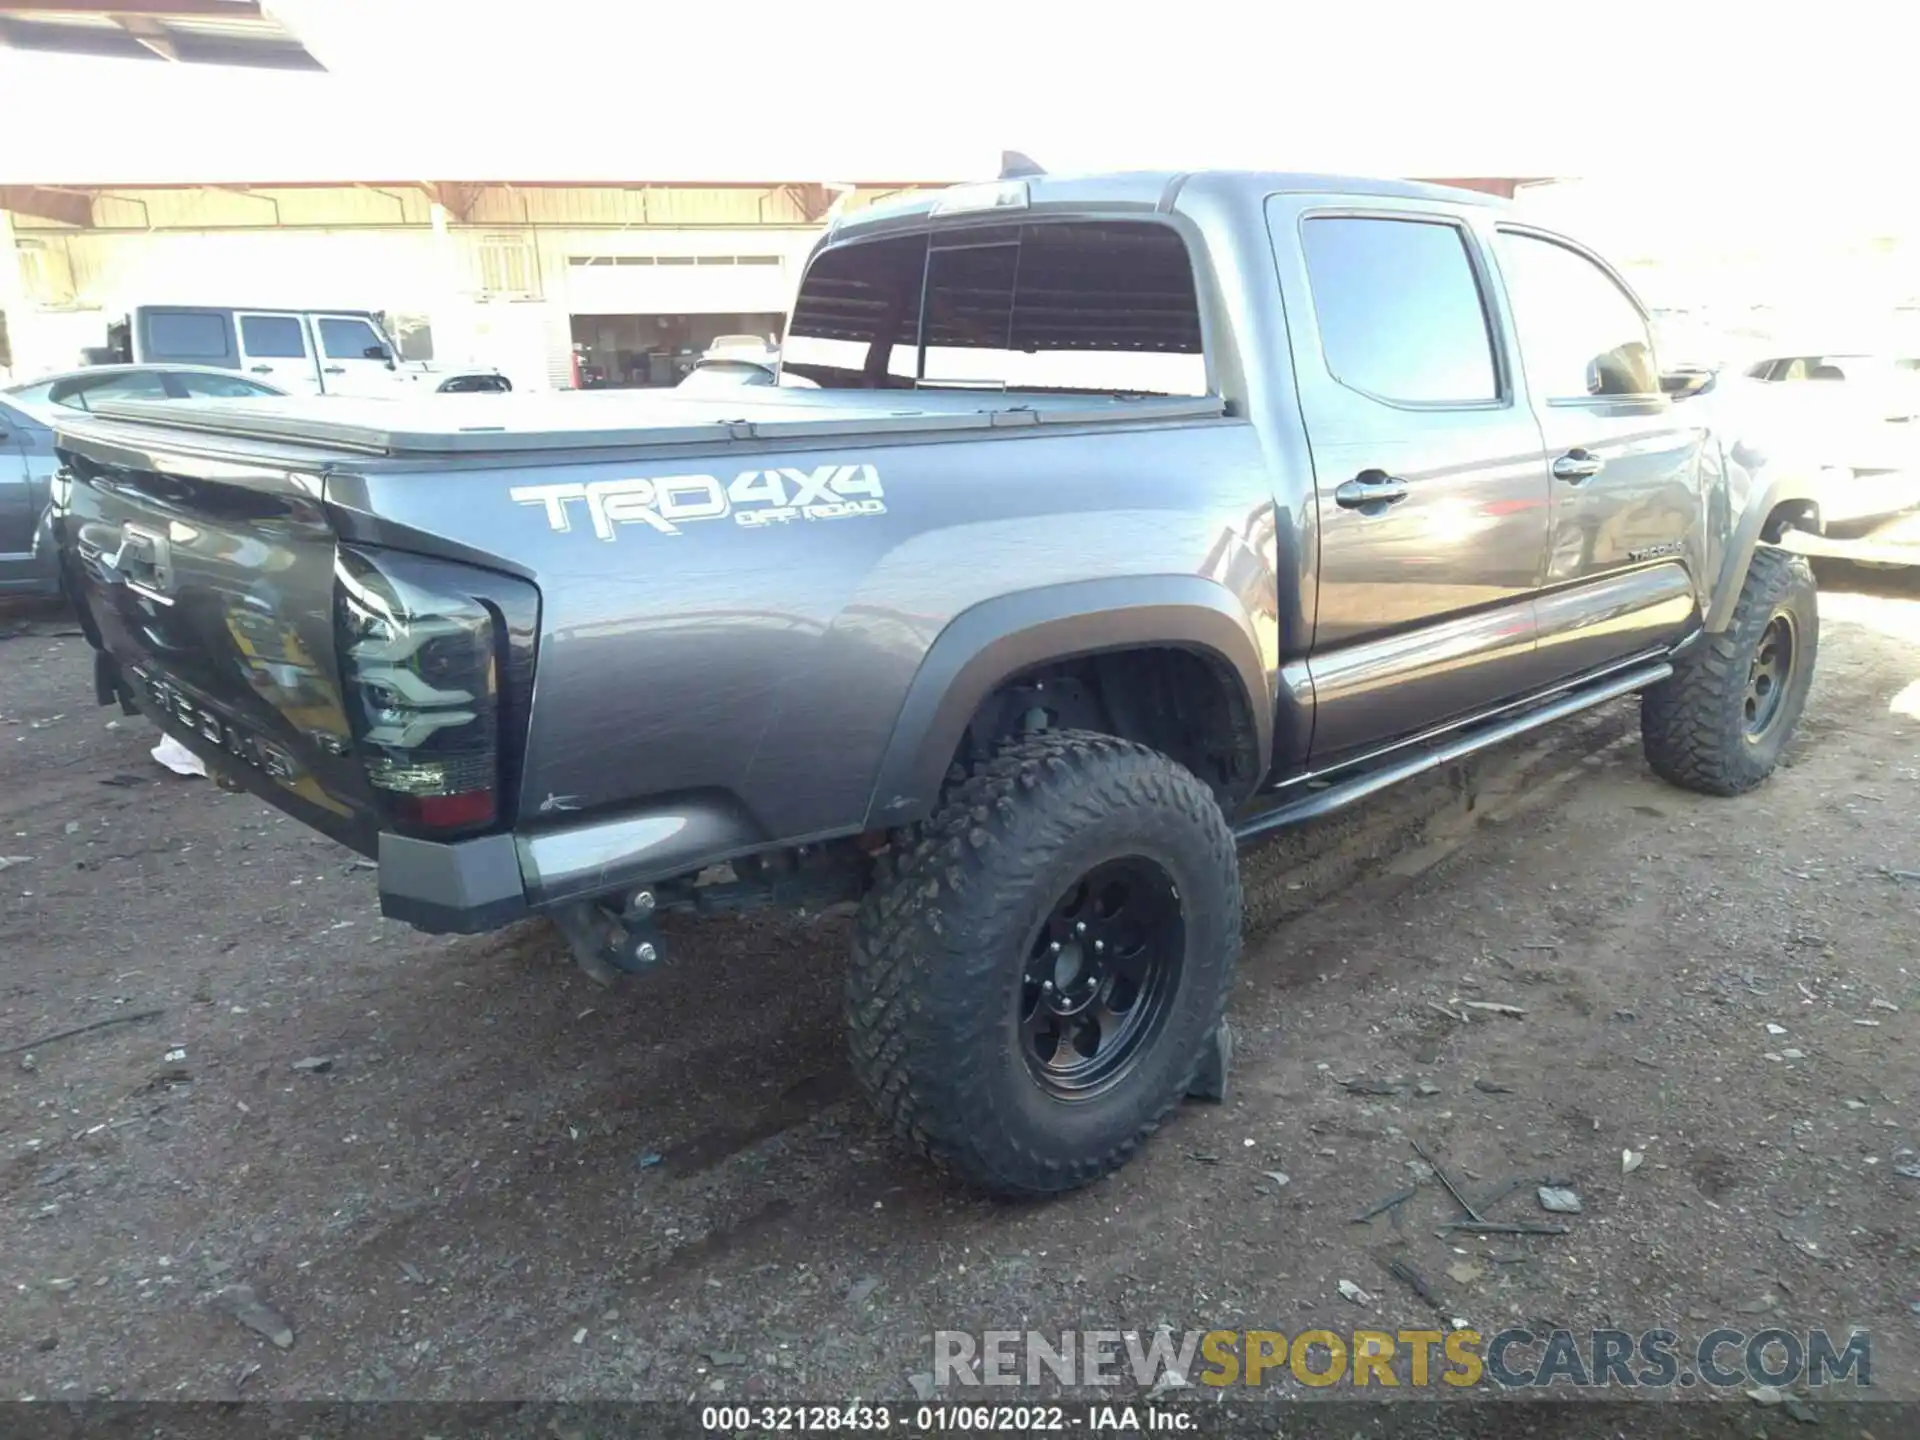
(489, 423)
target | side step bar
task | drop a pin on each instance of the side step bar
(1342, 793)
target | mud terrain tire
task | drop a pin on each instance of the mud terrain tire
(1719, 723)
(952, 1039)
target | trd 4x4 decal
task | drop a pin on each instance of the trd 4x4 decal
(755, 498)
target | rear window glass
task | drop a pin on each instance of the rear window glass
(1101, 308)
(223, 387)
(187, 335)
(84, 394)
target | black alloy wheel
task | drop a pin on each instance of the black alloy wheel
(1101, 975)
(1767, 676)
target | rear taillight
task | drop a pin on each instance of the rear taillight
(419, 666)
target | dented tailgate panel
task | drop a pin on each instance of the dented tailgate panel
(210, 584)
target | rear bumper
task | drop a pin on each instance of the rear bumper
(457, 888)
(465, 886)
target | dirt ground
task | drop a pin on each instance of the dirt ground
(511, 1183)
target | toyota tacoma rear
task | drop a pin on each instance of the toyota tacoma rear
(1125, 519)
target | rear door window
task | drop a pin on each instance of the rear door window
(272, 337)
(1399, 309)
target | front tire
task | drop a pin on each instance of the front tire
(1040, 967)
(1719, 723)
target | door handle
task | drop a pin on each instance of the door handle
(1577, 465)
(1370, 488)
(262, 369)
(336, 370)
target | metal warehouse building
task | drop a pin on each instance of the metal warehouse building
(555, 283)
(586, 277)
(614, 285)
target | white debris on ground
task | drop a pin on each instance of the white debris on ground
(177, 758)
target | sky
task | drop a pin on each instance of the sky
(1702, 98)
(1697, 132)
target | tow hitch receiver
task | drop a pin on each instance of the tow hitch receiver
(608, 943)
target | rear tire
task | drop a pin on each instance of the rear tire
(1719, 724)
(1040, 967)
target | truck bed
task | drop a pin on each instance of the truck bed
(444, 425)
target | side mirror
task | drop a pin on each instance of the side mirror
(378, 352)
(1684, 384)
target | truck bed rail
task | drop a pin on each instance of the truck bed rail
(515, 423)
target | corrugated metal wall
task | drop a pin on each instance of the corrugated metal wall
(219, 209)
(355, 206)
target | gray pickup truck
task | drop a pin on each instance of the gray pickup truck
(1129, 518)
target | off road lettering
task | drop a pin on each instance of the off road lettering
(755, 499)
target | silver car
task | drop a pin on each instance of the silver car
(720, 369)
(1860, 412)
(28, 415)
(77, 389)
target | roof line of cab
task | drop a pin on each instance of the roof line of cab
(1142, 190)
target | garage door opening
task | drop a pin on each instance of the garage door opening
(630, 352)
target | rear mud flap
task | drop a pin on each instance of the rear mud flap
(108, 686)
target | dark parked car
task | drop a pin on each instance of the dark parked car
(27, 560)
(1136, 516)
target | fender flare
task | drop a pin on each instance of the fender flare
(988, 644)
(1748, 531)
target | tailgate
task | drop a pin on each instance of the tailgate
(208, 583)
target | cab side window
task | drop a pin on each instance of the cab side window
(350, 340)
(1399, 308)
(1581, 336)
